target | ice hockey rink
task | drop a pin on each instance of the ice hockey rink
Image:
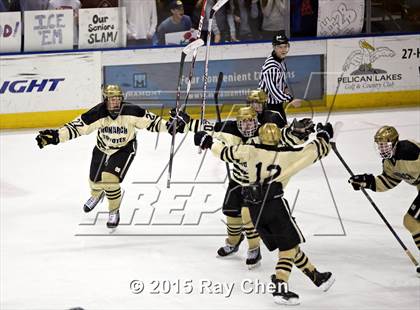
(54, 256)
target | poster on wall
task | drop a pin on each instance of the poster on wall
(374, 64)
(48, 30)
(10, 32)
(102, 28)
(339, 17)
(156, 83)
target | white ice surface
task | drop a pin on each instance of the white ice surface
(50, 261)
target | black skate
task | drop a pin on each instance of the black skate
(323, 280)
(282, 295)
(254, 258)
(229, 249)
(92, 202)
(114, 219)
(418, 271)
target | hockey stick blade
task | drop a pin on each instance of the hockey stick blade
(193, 46)
(217, 6)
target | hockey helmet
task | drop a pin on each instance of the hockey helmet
(269, 134)
(257, 98)
(112, 91)
(247, 121)
(386, 139)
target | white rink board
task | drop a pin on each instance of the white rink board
(393, 65)
(217, 52)
(67, 82)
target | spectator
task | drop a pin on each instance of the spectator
(4, 5)
(274, 17)
(175, 23)
(214, 28)
(28, 5)
(68, 4)
(99, 3)
(226, 18)
(141, 21)
(304, 17)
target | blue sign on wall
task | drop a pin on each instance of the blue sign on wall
(156, 83)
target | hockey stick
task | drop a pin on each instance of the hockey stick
(186, 50)
(216, 102)
(335, 96)
(414, 261)
(190, 75)
(213, 11)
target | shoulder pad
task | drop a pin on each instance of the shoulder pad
(269, 116)
(406, 150)
(97, 112)
(132, 109)
(228, 127)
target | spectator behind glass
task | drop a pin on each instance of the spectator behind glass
(214, 28)
(99, 3)
(175, 23)
(4, 5)
(226, 18)
(251, 19)
(274, 17)
(68, 4)
(28, 5)
(304, 17)
(141, 21)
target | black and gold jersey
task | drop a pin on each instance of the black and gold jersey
(403, 166)
(266, 164)
(228, 133)
(113, 133)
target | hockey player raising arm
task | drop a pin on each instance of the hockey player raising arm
(116, 122)
(400, 162)
(270, 167)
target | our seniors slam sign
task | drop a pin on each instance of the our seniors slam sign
(102, 28)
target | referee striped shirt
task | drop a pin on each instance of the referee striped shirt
(273, 80)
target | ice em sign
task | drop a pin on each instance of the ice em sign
(102, 28)
(48, 30)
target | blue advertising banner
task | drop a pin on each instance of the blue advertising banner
(156, 83)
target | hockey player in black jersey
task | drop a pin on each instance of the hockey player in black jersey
(116, 122)
(244, 131)
(270, 168)
(400, 162)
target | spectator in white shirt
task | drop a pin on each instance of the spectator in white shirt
(141, 21)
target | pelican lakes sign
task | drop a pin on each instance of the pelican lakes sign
(375, 64)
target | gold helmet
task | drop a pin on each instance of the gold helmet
(112, 90)
(257, 98)
(269, 134)
(385, 139)
(247, 121)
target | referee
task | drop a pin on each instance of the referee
(273, 77)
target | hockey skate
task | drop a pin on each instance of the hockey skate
(418, 271)
(229, 249)
(254, 258)
(282, 295)
(92, 202)
(114, 219)
(323, 280)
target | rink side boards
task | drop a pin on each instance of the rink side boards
(389, 80)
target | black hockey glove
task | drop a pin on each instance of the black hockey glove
(363, 181)
(203, 140)
(302, 128)
(324, 131)
(182, 119)
(48, 136)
